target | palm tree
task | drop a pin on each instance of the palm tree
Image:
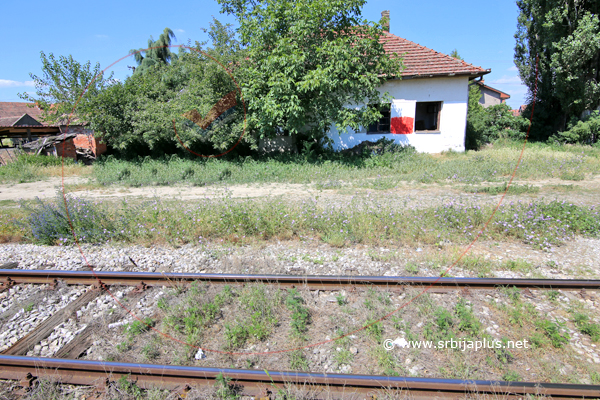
(157, 52)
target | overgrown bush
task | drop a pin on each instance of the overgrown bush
(584, 131)
(55, 222)
(485, 125)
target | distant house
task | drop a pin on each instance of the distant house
(490, 96)
(22, 124)
(429, 104)
(518, 112)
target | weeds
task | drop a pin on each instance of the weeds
(412, 268)
(343, 356)
(341, 300)
(522, 266)
(374, 330)
(363, 220)
(298, 360)
(55, 222)
(258, 318)
(300, 314)
(136, 327)
(552, 295)
(385, 360)
(467, 322)
(30, 167)
(197, 310)
(585, 326)
(130, 388)
(552, 331)
(369, 170)
(224, 389)
(512, 292)
(511, 376)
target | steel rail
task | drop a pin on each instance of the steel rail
(256, 382)
(324, 282)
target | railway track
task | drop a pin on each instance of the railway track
(10, 277)
(69, 370)
(265, 383)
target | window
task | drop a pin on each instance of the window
(383, 125)
(427, 116)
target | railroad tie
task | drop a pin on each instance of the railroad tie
(46, 327)
(83, 340)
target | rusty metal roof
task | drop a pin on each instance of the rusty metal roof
(48, 141)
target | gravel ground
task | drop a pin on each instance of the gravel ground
(575, 259)
(28, 310)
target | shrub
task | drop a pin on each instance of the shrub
(485, 125)
(55, 222)
(585, 130)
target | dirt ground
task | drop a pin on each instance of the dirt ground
(584, 192)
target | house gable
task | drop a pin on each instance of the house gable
(428, 109)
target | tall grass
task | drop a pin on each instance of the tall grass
(491, 164)
(55, 222)
(31, 167)
(542, 225)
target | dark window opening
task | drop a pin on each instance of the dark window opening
(383, 124)
(427, 116)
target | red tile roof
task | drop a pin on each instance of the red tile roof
(421, 61)
(8, 121)
(23, 120)
(17, 109)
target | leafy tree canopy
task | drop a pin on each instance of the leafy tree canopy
(136, 116)
(62, 85)
(306, 61)
(157, 52)
(455, 54)
(565, 35)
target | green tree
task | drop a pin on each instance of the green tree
(565, 35)
(475, 119)
(157, 52)
(136, 116)
(64, 84)
(307, 61)
(455, 54)
(485, 125)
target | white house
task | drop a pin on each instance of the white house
(429, 104)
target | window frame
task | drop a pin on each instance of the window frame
(384, 106)
(438, 129)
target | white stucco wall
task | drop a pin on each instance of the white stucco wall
(451, 91)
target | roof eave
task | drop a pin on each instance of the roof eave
(470, 75)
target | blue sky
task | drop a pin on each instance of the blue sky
(482, 32)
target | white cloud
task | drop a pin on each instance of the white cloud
(101, 36)
(506, 80)
(179, 30)
(513, 68)
(8, 83)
